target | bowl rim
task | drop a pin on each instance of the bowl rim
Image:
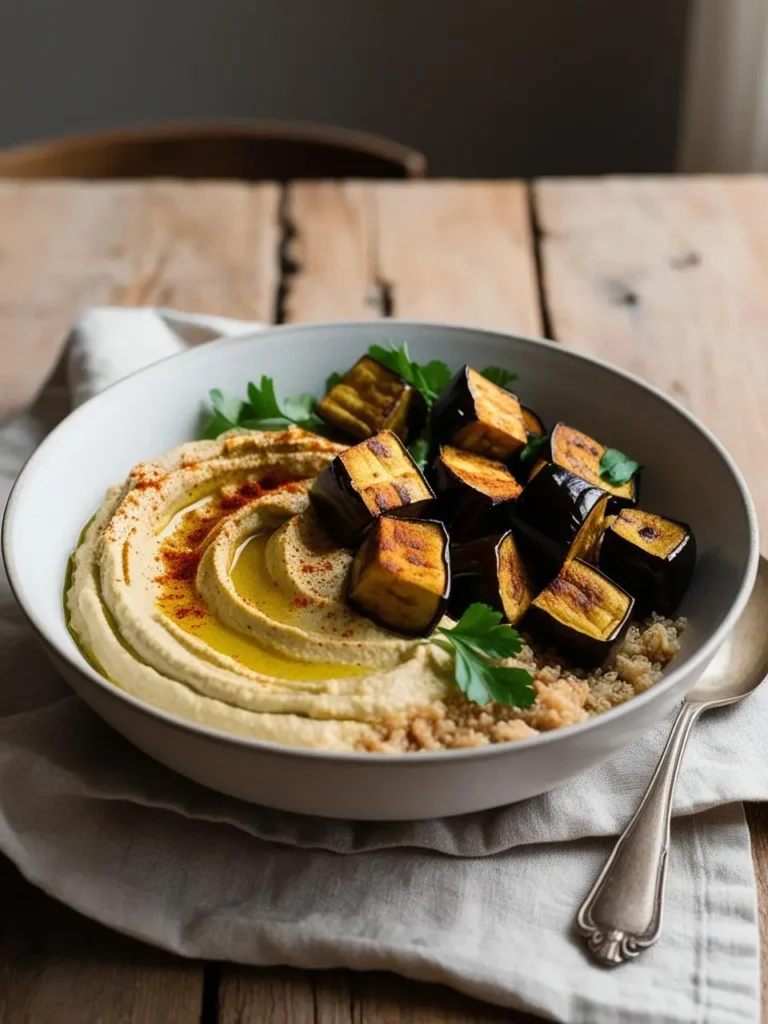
(376, 759)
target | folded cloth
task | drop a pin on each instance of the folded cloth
(484, 903)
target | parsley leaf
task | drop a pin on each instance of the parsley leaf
(332, 380)
(617, 468)
(263, 400)
(498, 375)
(476, 639)
(419, 451)
(262, 411)
(532, 449)
(224, 414)
(431, 380)
(435, 377)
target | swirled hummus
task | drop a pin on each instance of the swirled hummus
(206, 586)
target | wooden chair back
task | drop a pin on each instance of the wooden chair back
(252, 151)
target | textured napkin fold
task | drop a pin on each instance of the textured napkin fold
(126, 841)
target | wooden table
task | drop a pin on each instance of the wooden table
(666, 277)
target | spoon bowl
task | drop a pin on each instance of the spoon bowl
(741, 664)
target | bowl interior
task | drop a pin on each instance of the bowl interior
(687, 475)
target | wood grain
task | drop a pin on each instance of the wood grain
(206, 247)
(277, 995)
(456, 252)
(381, 999)
(56, 967)
(666, 277)
(757, 819)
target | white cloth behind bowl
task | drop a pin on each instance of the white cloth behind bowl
(483, 903)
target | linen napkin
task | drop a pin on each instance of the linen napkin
(483, 903)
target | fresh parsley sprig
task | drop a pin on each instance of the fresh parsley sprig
(498, 375)
(431, 380)
(262, 411)
(419, 451)
(617, 468)
(476, 641)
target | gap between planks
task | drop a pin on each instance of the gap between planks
(456, 252)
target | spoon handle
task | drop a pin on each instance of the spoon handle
(623, 912)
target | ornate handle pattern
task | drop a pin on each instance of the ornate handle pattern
(622, 915)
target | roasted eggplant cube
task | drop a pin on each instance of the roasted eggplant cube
(559, 515)
(475, 414)
(401, 575)
(473, 493)
(581, 614)
(581, 454)
(651, 557)
(492, 571)
(371, 478)
(534, 425)
(370, 398)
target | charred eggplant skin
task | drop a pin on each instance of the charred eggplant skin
(345, 504)
(490, 570)
(534, 425)
(371, 397)
(392, 547)
(658, 579)
(576, 587)
(459, 411)
(550, 513)
(474, 572)
(473, 493)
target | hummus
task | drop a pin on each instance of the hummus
(205, 586)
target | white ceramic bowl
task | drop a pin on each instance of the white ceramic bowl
(688, 476)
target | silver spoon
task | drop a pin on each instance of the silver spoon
(622, 915)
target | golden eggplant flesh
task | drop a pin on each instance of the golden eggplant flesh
(473, 493)
(651, 557)
(491, 570)
(558, 516)
(370, 398)
(581, 613)
(581, 454)
(478, 415)
(401, 576)
(371, 478)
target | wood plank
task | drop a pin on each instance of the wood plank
(278, 994)
(274, 995)
(331, 250)
(666, 277)
(208, 247)
(57, 967)
(461, 253)
(456, 252)
(757, 819)
(381, 999)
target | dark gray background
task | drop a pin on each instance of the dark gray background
(484, 87)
